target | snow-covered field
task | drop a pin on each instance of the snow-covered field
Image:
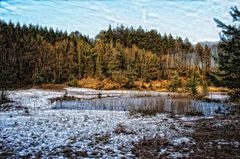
(45, 132)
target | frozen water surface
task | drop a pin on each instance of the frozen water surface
(44, 130)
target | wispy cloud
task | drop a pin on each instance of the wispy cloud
(186, 18)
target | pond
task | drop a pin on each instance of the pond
(127, 101)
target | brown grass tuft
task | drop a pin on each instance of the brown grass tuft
(149, 148)
(122, 129)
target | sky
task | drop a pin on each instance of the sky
(186, 18)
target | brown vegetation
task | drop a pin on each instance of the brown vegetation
(217, 138)
(150, 107)
(149, 148)
(102, 138)
(122, 129)
(68, 152)
(51, 86)
(96, 83)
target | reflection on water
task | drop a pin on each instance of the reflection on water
(164, 103)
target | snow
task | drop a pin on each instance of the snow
(35, 99)
(218, 96)
(45, 130)
(180, 141)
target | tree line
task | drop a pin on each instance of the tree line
(33, 55)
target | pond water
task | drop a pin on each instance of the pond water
(125, 101)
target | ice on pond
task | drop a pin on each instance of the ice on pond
(128, 100)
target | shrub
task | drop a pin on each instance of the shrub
(193, 83)
(175, 82)
(73, 83)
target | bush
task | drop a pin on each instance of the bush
(175, 82)
(38, 78)
(73, 82)
(193, 83)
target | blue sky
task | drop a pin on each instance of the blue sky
(185, 18)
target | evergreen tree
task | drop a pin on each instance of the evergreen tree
(229, 51)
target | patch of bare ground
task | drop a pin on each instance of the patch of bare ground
(12, 106)
(158, 147)
(149, 148)
(68, 152)
(102, 138)
(123, 129)
(5, 152)
(217, 138)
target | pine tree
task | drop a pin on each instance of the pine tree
(229, 51)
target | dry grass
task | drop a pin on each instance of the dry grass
(108, 84)
(51, 86)
(218, 89)
(102, 138)
(68, 152)
(148, 108)
(94, 83)
(122, 129)
(180, 96)
(157, 85)
(179, 104)
(89, 83)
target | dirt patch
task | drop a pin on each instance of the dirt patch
(102, 138)
(123, 129)
(68, 151)
(149, 148)
(12, 107)
(217, 138)
(5, 152)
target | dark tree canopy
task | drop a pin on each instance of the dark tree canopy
(229, 50)
(34, 55)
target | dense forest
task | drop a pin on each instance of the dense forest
(34, 55)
